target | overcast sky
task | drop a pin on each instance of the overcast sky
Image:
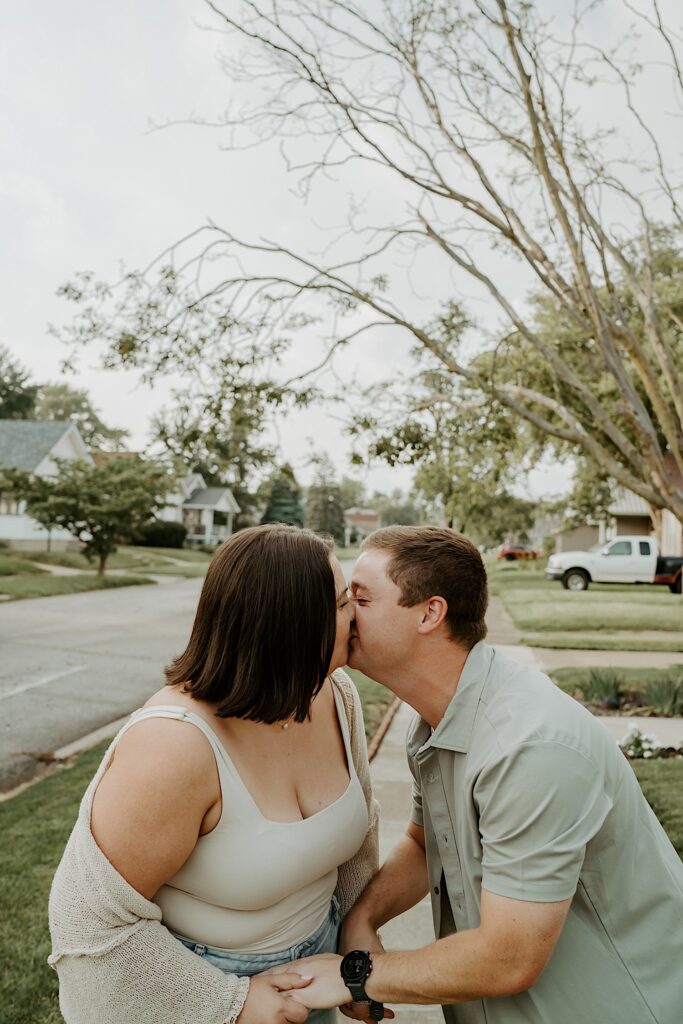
(85, 183)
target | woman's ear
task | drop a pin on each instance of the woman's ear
(435, 611)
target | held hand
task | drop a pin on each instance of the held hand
(326, 989)
(270, 999)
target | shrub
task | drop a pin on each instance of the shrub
(161, 534)
(665, 694)
(603, 686)
(636, 744)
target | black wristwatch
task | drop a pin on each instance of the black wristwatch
(355, 970)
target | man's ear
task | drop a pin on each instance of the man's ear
(435, 611)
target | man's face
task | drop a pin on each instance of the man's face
(384, 630)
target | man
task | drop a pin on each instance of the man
(557, 897)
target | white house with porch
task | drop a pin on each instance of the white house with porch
(34, 446)
(207, 513)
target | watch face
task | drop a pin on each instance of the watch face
(355, 966)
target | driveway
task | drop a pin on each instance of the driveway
(72, 664)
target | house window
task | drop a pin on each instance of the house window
(9, 504)
(621, 547)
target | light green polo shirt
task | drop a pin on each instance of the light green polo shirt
(523, 792)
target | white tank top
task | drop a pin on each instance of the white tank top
(252, 884)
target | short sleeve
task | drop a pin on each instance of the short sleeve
(539, 806)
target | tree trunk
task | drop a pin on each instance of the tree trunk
(101, 564)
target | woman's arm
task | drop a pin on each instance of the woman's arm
(116, 962)
(149, 807)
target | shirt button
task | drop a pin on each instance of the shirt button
(431, 777)
(436, 890)
(445, 839)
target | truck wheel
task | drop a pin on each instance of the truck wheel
(675, 588)
(510, 558)
(575, 579)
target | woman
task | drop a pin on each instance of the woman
(231, 821)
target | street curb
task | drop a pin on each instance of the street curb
(60, 758)
(382, 729)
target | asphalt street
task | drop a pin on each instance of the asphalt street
(71, 664)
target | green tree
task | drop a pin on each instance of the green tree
(324, 506)
(352, 492)
(17, 393)
(63, 402)
(99, 505)
(284, 499)
(220, 436)
(395, 508)
(591, 495)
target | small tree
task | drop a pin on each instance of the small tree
(17, 394)
(324, 506)
(284, 501)
(99, 505)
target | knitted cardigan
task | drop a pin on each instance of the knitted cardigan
(118, 964)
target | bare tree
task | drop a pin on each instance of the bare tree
(483, 115)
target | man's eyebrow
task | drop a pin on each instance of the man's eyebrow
(355, 585)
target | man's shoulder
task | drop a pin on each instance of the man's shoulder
(521, 705)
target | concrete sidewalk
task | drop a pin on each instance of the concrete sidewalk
(393, 785)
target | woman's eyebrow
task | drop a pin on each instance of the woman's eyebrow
(343, 592)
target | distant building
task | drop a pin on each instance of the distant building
(33, 446)
(629, 515)
(207, 513)
(359, 523)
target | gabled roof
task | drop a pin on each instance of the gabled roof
(25, 443)
(626, 503)
(211, 497)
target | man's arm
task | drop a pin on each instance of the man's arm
(400, 883)
(503, 956)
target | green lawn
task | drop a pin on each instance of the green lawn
(10, 566)
(571, 679)
(19, 587)
(662, 784)
(128, 557)
(375, 698)
(604, 617)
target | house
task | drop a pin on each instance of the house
(207, 513)
(359, 523)
(629, 515)
(34, 446)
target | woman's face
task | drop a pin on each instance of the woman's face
(345, 607)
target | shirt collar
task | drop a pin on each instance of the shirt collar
(455, 728)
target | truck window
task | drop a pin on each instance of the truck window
(644, 546)
(620, 547)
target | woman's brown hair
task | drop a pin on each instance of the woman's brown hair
(265, 627)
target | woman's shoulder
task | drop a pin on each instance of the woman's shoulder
(343, 682)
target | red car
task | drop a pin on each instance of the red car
(513, 552)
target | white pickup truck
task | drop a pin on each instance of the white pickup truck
(621, 560)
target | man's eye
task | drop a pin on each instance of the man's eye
(361, 600)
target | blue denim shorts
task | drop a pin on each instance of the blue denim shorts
(324, 939)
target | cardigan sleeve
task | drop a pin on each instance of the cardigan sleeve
(116, 962)
(356, 872)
